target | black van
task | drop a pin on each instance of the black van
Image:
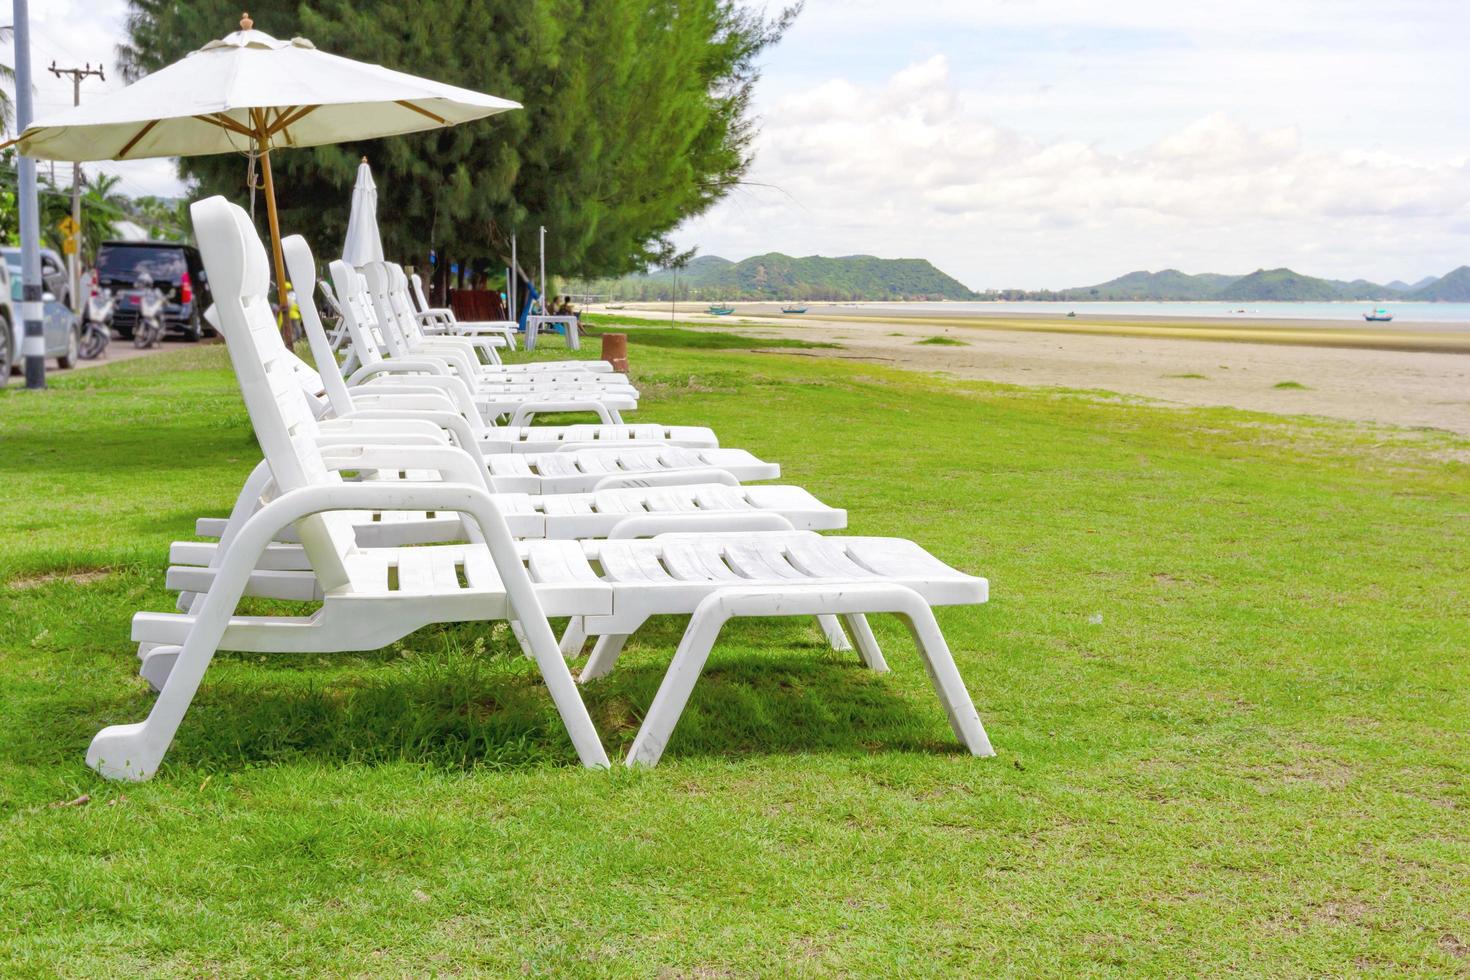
(176, 269)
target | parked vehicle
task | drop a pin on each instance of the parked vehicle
(97, 324)
(176, 270)
(61, 330)
(54, 279)
(146, 302)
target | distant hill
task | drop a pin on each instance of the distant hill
(1263, 285)
(1167, 284)
(775, 276)
(1453, 287)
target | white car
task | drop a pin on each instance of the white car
(62, 331)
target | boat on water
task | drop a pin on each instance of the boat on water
(793, 309)
(1379, 315)
(720, 309)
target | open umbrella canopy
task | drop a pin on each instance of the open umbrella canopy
(363, 244)
(223, 97)
(249, 92)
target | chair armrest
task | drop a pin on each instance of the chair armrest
(452, 386)
(528, 410)
(399, 365)
(412, 399)
(452, 463)
(448, 421)
(334, 429)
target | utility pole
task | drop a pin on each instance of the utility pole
(33, 346)
(74, 257)
(543, 269)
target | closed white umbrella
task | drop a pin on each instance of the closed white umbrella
(363, 244)
(249, 92)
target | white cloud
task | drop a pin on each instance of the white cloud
(72, 33)
(912, 165)
(1058, 142)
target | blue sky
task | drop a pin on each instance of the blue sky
(1061, 142)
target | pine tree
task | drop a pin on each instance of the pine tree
(636, 117)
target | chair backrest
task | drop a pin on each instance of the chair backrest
(331, 295)
(389, 289)
(358, 313)
(239, 278)
(302, 269)
(418, 293)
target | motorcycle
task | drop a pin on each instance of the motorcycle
(97, 324)
(148, 300)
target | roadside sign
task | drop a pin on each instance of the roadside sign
(69, 245)
(68, 227)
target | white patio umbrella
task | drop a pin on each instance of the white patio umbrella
(363, 244)
(249, 92)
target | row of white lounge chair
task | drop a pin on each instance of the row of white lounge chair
(415, 492)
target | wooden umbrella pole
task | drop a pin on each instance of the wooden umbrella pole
(263, 141)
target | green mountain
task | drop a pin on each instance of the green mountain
(1266, 285)
(774, 276)
(1166, 284)
(1263, 285)
(1454, 287)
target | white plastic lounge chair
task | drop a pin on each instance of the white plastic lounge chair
(382, 352)
(436, 367)
(372, 596)
(441, 319)
(388, 289)
(610, 512)
(714, 577)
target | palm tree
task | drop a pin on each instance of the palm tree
(103, 206)
(102, 209)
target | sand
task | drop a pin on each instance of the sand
(1397, 387)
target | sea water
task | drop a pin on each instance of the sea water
(1440, 315)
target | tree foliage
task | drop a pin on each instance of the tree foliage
(636, 117)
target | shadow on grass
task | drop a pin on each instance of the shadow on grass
(771, 687)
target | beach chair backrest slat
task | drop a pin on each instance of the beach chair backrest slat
(418, 293)
(285, 427)
(357, 312)
(302, 269)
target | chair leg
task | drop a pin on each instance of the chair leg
(246, 504)
(832, 629)
(867, 643)
(574, 638)
(963, 718)
(604, 654)
(850, 601)
(673, 694)
(158, 663)
(134, 752)
(519, 633)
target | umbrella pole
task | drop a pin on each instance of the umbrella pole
(275, 223)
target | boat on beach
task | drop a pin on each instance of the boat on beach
(720, 309)
(1379, 315)
(793, 309)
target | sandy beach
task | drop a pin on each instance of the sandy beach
(1300, 370)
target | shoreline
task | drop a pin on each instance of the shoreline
(1449, 339)
(1172, 364)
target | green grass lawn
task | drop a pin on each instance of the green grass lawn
(1225, 668)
